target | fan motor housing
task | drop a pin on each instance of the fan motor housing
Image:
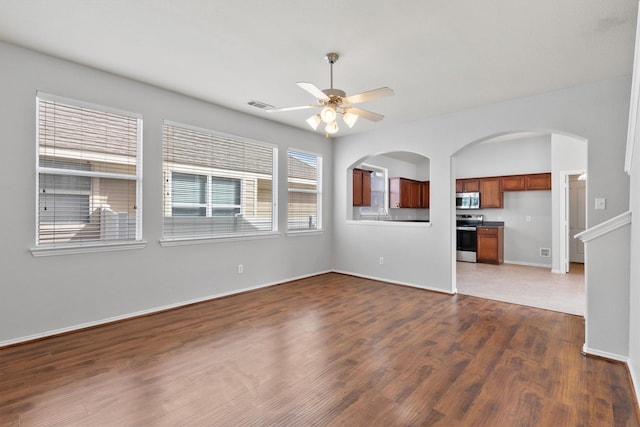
(336, 95)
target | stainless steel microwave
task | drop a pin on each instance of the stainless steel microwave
(468, 200)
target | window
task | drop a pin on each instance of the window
(191, 196)
(379, 191)
(89, 176)
(305, 191)
(216, 185)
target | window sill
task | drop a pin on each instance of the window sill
(298, 233)
(40, 251)
(205, 240)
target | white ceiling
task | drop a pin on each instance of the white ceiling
(438, 56)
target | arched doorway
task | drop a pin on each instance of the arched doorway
(536, 226)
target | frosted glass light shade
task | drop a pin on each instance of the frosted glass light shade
(328, 115)
(314, 121)
(350, 119)
(332, 128)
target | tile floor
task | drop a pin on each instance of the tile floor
(525, 285)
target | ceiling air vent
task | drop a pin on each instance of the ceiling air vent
(261, 105)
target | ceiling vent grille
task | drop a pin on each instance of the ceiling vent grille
(261, 105)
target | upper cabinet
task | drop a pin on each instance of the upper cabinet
(490, 193)
(424, 194)
(538, 181)
(361, 187)
(408, 193)
(469, 185)
(492, 188)
(514, 183)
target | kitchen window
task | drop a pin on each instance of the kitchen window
(216, 185)
(304, 176)
(379, 192)
(89, 175)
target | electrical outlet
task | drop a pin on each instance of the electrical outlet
(240, 268)
(527, 218)
(381, 260)
(601, 203)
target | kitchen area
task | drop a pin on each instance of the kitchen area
(392, 188)
(479, 239)
(504, 216)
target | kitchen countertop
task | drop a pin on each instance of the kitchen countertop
(492, 224)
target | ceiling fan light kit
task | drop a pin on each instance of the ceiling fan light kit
(314, 121)
(349, 118)
(335, 102)
(332, 128)
(328, 114)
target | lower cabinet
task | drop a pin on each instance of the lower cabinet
(490, 245)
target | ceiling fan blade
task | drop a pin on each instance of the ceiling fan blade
(300, 107)
(374, 117)
(313, 90)
(369, 95)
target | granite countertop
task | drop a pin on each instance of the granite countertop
(492, 224)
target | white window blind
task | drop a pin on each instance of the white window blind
(216, 185)
(304, 173)
(89, 173)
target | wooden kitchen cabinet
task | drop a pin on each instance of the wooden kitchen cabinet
(361, 187)
(490, 193)
(405, 193)
(514, 183)
(536, 181)
(490, 245)
(539, 181)
(424, 194)
(469, 185)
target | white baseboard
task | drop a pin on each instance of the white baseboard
(78, 327)
(530, 264)
(604, 354)
(395, 282)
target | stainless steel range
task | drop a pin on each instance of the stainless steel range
(466, 237)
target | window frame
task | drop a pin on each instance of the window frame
(213, 171)
(64, 248)
(208, 205)
(319, 166)
(362, 209)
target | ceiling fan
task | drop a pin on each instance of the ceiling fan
(335, 102)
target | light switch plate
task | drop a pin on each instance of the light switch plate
(601, 203)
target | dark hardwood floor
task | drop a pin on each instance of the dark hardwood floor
(327, 350)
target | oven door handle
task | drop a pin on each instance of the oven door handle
(466, 228)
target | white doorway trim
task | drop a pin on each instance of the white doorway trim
(565, 239)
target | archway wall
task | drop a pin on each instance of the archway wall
(424, 257)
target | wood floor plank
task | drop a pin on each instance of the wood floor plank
(331, 350)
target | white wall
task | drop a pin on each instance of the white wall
(425, 257)
(567, 154)
(38, 295)
(519, 154)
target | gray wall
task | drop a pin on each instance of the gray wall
(425, 257)
(39, 295)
